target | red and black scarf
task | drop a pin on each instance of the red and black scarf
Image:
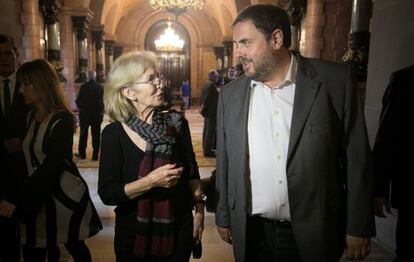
(155, 211)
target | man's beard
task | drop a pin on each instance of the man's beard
(264, 65)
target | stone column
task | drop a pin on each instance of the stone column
(219, 52)
(81, 27)
(30, 18)
(109, 54)
(97, 37)
(118, 51)
(228, 54)
(358, 43)
(51, 10)
(296, 10)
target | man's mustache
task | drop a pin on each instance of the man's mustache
(244, 59)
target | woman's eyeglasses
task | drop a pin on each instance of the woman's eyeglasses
(154, 79)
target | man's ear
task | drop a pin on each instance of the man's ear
(129, 93)
(277, 39)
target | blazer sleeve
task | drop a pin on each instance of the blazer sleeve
(358, 163)
(222, 211)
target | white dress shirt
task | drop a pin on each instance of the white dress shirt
(269, 122)
(12, 84)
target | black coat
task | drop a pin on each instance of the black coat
(90, 101)
(12, 125)
(394, 141)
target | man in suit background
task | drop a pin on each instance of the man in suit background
(12, 128)
(393, 156)
(91, 111)
(208, 109)
(294, 168)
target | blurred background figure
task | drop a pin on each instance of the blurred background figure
(393, 155)
(91, 111)
(231, 75)
(186, 94)
(12, 126)
(54, 205)
(208, 109)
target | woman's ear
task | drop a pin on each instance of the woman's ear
(129, 93)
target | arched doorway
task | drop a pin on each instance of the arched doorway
(174, 65)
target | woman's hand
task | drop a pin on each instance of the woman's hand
(198, 222)
(165, 176)
(6, 208)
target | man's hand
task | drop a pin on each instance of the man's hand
(357, 248)
(225, 234)
(6, 208)
(379, 204)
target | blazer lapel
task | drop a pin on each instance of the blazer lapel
(306, 90)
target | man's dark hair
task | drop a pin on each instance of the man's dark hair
(267, 18)
(8, 39)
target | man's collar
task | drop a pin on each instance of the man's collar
(290, 77)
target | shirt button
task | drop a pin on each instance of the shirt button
(282, 205)
(279, 157)
(280, 182)
(277, 133)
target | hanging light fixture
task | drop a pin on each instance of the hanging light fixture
(169, 41)
(176, 7)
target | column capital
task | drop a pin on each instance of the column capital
(296, 9)
(81, 24)
(50, 10)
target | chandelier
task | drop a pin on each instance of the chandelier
(169, 41)
(176, 7)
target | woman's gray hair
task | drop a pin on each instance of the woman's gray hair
(126, 70)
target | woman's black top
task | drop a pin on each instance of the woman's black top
(119, 163)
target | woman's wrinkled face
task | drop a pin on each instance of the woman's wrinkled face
(148, 90)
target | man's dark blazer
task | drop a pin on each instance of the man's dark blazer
(394, 142)
(12, 125)
(90, 102)
(329, 165)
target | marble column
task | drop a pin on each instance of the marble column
(97, 36)
(228, 54)
(219, 52)
(51, 10)
(296, 10)
(30, 19)
(81, 27)
(358, 42)
(118, 51)
(109, 54)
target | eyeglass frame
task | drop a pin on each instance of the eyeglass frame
(152, 78)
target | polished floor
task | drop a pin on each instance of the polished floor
(214, 249)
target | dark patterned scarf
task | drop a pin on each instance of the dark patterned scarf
(155, 211)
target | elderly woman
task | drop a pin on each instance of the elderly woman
(147, 167)
(54, 202)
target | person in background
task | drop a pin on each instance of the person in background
(231, 75)
(208, 109)
(12, 126)
(392, 154)
(186, 93)
(54, 205)
(294, 166)
(148, 168)
(91, 111)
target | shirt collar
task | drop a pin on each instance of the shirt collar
(11, 77)
(290, 77)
